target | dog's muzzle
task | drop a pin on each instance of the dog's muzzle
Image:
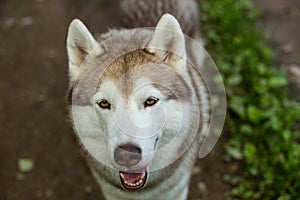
(129, 156)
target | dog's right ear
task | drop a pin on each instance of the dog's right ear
(80, 43)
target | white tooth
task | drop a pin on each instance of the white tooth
(122, 175)
(143, 175)
(140, 182)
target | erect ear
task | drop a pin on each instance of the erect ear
(168, 42)
(80, 43)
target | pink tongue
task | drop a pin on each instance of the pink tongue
(132, 177)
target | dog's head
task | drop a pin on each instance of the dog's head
(131, 96)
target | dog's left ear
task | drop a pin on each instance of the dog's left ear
(80, 43)
(168, 42)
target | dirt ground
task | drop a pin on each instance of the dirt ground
(33, 83)
(280, 23)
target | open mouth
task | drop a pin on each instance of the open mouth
(133, 180)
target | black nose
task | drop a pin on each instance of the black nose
(127, 155)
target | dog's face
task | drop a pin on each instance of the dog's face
(135, 110)
(126, 109)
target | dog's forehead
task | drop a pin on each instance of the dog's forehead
(128, 62)
(138, 69)
(128, 70)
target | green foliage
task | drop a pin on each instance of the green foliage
(262, 116)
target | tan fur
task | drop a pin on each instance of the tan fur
(128, 68)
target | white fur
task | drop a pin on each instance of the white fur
(90, 133)
(168, 33)
(79, 40)
(128, 121)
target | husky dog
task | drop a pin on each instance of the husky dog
(139, 105)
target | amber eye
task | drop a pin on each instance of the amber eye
(150, 101)
(103, 104)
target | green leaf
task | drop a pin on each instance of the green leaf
(25, 164)
(254, 114)
(237, 105)
(234, 153)
(246, 129)
(250, 151)
(234, 80)
(278, 81)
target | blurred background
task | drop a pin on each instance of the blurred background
(39, 158)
